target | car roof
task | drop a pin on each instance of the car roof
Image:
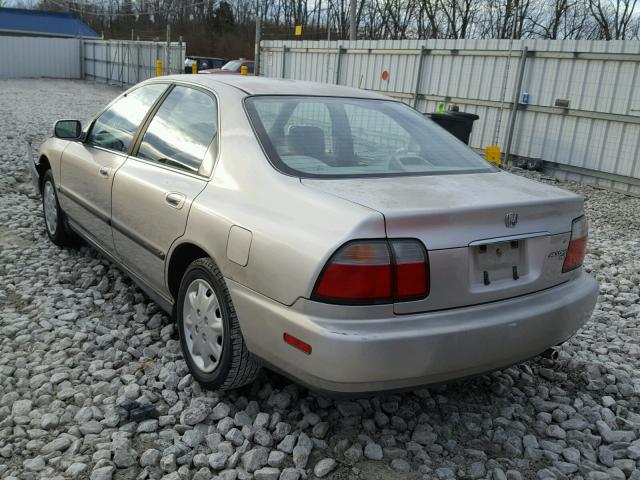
(253, 85)
(207, 58)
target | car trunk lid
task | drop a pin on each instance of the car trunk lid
(489, 236)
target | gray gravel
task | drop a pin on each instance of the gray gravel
(77, 339)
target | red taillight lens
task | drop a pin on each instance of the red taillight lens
(366, 272)
(411, 270)
(358, 272)
(577, 245)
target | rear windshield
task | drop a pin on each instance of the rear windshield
(347, 137)
(233, 65)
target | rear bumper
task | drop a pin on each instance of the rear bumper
(352, 354)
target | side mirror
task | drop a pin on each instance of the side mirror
(68, 129)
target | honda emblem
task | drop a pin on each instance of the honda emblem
(510, 220)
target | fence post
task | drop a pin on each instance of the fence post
(106, 66)
(517, 87)
(81, 48)
(256, 54)
(285, 49)
(339, 64)
(180, 59)
(421, 60)
(122, 54)
(137, 63)
(167, 67)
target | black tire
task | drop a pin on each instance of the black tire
(236, 366)
(59, 232)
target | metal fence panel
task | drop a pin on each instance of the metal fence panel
(595, 139)
(24, 57)
(127, 62)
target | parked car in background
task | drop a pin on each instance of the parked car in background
(329, 233)
(233, 67)
(204, 63)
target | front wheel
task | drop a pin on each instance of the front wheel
(210, 335)
(54, 220)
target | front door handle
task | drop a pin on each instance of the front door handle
(105, 171)
(175, 199)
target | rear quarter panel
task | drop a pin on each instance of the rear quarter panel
(294, 229)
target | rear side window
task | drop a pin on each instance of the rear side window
(181, 130)
(115, 127)
(351, 137)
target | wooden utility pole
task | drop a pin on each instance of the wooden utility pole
(353, 31)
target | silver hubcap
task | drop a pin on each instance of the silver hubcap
(203, 328)
(50, 208)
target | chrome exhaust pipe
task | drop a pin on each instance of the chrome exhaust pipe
(551, 354)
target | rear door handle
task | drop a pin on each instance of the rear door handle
(105, 171)
(175, 199)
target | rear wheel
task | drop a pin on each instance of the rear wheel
(210, 335)
(54, 220)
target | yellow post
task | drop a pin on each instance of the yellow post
(194, 68)
(158, 68)
(492, 154)
(244, 70)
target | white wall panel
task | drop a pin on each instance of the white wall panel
(24, 57)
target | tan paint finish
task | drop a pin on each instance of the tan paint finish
(87, 173)
(140, 208)
(239, 245)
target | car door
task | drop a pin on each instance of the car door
(153, 191)
(87, 168)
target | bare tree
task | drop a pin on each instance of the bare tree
(459, 16)
(226, 27)
(613, 17)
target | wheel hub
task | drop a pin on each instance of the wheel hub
(203, 327)
(50, 207)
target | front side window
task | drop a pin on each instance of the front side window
(352, 137)
(182, 129)
(115, 127)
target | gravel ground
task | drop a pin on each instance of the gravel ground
(77, 339)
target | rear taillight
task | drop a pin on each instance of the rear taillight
(375, 271)
(358, 272)
(577, 245)
(411, 270)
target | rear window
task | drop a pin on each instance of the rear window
(233, 65)
(346, 137)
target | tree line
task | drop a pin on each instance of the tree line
(226, 28)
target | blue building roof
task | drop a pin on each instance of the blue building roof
(59, 24)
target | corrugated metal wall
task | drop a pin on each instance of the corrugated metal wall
(112, 61)
(24, 57)
(129, 62)
(595, 139)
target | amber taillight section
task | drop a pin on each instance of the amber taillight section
(577, 245)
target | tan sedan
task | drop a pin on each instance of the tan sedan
(332, 234)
